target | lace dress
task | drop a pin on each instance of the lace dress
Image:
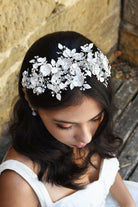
(96, 194)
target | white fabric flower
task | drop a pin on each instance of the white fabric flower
(45, 69)
(87, 48)
(78, 56)
(74, 69)
(41, 60)
(78, 80)
(39, 90)
(35, 65)
(69, 53)
(70, 70)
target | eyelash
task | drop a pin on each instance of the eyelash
(96, 119)
(61, 127)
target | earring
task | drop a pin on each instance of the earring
(33, 112)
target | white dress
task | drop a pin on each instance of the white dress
(96, 194)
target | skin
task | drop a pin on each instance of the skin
(74, 126)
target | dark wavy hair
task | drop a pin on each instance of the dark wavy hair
(32, 139)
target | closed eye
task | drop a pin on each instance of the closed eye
(61, 127)
(69, 125)
(96, 119)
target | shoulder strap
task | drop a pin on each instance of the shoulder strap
(31, 178)
(108, 172)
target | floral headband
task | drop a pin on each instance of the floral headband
(70, 70)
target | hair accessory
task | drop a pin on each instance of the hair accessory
(33, 112)
(70, 70)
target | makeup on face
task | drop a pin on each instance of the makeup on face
(75, 125)
(68, 125)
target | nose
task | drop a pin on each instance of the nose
(83, 134)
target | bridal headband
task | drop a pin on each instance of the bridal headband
(70, 70)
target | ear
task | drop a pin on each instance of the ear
(26, 97)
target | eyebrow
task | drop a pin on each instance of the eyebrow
(68, 122)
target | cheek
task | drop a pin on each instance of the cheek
(56, 132)
(49, 126)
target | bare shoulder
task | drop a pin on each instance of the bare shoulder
(15, 191)
(13, 154)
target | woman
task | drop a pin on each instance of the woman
(63, 150)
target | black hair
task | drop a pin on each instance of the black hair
(30, 136)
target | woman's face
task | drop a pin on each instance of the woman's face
(75, 125)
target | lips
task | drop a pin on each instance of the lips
(80, 146)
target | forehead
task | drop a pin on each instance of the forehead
(81, 112)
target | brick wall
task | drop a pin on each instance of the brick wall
(129, 31)
(22, 22)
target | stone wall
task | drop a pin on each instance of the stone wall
(22, 22)
(129, 31)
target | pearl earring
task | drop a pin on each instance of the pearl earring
(33, 112)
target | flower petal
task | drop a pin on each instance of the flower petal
(58, 96)
(86, 86)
